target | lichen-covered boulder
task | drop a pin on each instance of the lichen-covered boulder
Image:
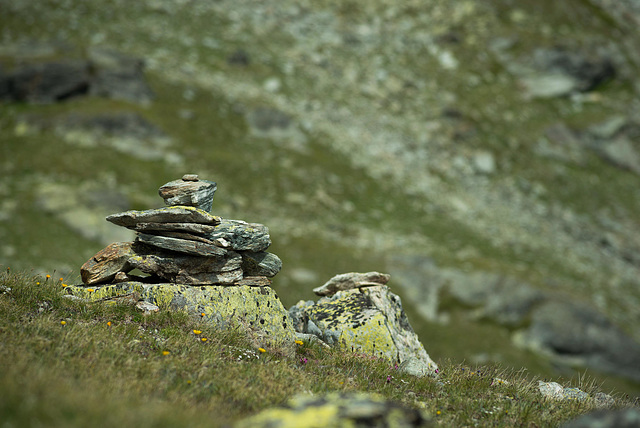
(369, 320)
(254, 310)
(338, 410)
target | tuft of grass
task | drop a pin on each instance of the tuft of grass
(70, 363)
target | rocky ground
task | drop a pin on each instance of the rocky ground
(486, 154)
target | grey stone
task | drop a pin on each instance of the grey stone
(187, 269)
(623, 418)
(186, 246)
(351, 280)
(253, 281)
(175, 214)
(191, 191)
(261, 263)
(108, 262)
(242, 236)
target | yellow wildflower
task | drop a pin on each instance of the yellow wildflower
(197, 331)
(262, 350)
(61, 280)
(300, 342)
(37, 283)
(204, 339)
(63, 322)
(109, 324)
(64, 285)
(438, 412)
(90, 290)
(165, 352)
(48, 276)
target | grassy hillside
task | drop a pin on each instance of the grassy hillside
(67, 363)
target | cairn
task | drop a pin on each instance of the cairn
(183, 243)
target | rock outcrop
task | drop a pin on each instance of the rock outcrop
(359, 313)
(211, 267)
(338, 410)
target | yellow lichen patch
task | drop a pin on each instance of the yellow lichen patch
(322, 416)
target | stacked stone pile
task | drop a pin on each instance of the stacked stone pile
(184, 244)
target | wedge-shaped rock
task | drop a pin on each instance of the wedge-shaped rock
(104, 266)
(242, 236)
(351, 280)
(176, 214)
(190, 270)
(370, 320)
(174, 227)
(189, 191)
(260, 263)
(186, 246)
(256, 312)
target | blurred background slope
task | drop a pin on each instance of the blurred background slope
(485, 153)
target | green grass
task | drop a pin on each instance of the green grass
(68, 363)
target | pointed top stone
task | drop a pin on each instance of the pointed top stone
(189, 190)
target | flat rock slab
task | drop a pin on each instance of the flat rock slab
(372, 321)
(185, 246)
(190, 270)
(107, 263)
(175, 214)
(175, 227)
(189, 191)
(260, 263)
(254, 311)
(242, 236)
(351, 280)
(254, 281)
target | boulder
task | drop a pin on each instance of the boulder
(254, 311)
(174, 214)
(338, 410)
(261, 263)
(190, 190)
(370, 320)
(581, 335)
(351, 280)
(104, 266)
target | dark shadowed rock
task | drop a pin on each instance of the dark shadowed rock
(118, 76)
(104, 266)
(624, 418)
(187, 269)
(242, 236)
(186, 246)
(261, 263)
(190, 191)
(582, 335)
(50, 82)
(587, 70)
(176, 214)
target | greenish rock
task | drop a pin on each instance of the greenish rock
(256, 312)
(369, 320)
(338, 410)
